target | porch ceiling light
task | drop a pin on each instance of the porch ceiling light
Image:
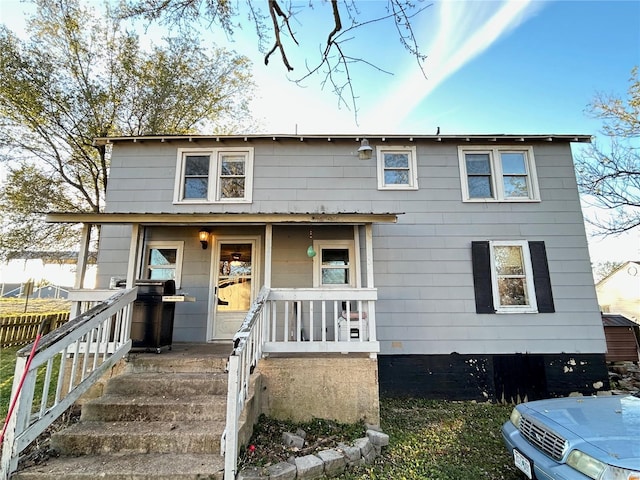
(203, 236)
(365, 151)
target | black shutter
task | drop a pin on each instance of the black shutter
(541, 279)
(481, 262)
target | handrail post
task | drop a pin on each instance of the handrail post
(24, 426)
(14, 427)
(231, 432)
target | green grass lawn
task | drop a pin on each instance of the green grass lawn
(429, 440)
(7, 370)
(15, 306)
(7, 367)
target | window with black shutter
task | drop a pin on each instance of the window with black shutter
(511, 277)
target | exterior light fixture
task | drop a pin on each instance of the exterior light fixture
(365, 151)
(203, 236)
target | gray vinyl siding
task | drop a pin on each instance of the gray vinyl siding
(422, 264)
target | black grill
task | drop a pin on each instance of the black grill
(542, 438)
(152, 319)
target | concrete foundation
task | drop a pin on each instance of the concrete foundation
(340, 387)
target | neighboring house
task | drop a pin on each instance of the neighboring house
(619, 292)
(622, 338)
(466, 256)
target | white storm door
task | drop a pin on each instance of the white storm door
(233, 274)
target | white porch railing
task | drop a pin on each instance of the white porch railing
(83, 349)
(294, 320)
(247, 350)
(315, 320)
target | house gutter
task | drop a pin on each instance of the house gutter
(484, 138)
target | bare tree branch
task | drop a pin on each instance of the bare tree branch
(275, 11)
(608, 172)
(335, 60)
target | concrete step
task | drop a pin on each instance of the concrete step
(180, 385)
(182, 358)
(98, 438)
(161, 419)
(120, 408)
(128, 467)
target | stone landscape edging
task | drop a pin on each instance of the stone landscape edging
(326, 463)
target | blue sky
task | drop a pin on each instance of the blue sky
(493, 67)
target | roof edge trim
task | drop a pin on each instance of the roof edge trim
(570, 138)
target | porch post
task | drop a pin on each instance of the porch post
(268, 243)
(133, 254)
(368, 235)
(356, 242)
(83, 256)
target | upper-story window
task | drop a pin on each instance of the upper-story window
(500, 174)
(214, 175)
(397, 168)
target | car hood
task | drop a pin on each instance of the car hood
(608, 423)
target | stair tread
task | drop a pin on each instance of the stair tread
(129, 466)
(98, 428)
(122, 399)
(185, 375)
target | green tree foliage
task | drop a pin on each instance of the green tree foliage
(82, 75)
(609, 171)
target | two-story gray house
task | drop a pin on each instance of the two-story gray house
(459, 264)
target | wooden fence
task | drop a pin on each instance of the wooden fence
(22, 329)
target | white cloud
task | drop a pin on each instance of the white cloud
(463, 31)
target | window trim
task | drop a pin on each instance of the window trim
(413, 167)
(318, 246)
(532, 307)
(177, 244)
(213, 190)
(497, 176)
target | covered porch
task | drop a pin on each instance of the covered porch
(308, 298)
(316, 268)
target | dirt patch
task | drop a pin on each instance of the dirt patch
(40, 450)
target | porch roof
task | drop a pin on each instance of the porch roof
(218, 218)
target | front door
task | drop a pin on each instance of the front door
(233, 279)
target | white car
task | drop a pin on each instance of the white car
(576, 438)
